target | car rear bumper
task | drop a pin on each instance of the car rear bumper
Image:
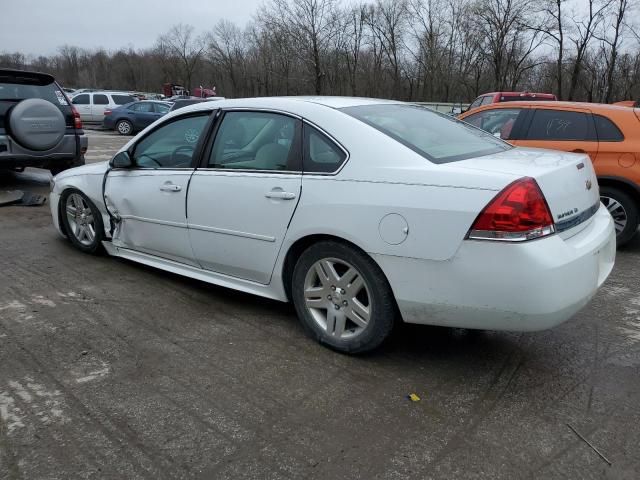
(496, 286)
(70, 148)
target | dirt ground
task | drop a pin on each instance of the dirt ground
(112, 370)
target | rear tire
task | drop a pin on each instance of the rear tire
(82, 221)
(624, 211)
(342, 297)
(124, 127)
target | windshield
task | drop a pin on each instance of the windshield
(437, 137)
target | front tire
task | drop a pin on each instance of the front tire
(624, 211)
(82, 221)
(124, 127)
(342, 297)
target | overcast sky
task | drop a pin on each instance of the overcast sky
(41, 26)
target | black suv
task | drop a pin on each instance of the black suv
(38, 125)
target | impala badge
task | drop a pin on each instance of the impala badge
(588, 184)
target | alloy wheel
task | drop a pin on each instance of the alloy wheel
(80, 218)
(124, 128)
(617, 211)
(337, 297)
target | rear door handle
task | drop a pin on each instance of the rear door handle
(170, 187)
(279, 194)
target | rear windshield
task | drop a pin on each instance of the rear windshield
(22, 91)
(437, 137)
(123, 99)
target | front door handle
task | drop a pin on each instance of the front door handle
(170, 187)
(279, 194)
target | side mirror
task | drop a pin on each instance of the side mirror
(121, 160)
(456, 110)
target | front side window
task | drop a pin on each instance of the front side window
(559, 125)
(99, 99)
(437, 137)
(320, 153)
(498, 122)
(172, 145)
(256, 141)
(476, 103)
(122, 99)
(487, 100)
(81, 99)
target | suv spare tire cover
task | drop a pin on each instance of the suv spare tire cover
(37, 124)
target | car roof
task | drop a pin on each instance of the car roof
(284, 102)
(519, 93)
(559, 105)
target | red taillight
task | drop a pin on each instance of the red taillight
(77, 121)
(519, 212)
(107, 112)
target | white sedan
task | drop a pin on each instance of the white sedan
(361, 212)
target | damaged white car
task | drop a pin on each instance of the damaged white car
(361, 212)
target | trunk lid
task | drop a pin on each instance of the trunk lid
(567, 180)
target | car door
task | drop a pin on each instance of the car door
(568, 130)
(99, 103)
(150, 198)
(143, 115)
(160, 109)
(82, 103)
(241, 201)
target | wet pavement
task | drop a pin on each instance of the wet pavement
(110, 369)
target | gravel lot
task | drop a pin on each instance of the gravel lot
(109, 369)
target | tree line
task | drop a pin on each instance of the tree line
(418, 50)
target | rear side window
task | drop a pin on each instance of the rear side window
(122, 99)
(437, 137)
(100, 99)
(559, 125)
(161, 108)
(321, 155)
(81, 99)
(607, 130)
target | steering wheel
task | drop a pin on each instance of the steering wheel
(181, 148)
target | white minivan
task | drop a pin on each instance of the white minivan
(92, 105)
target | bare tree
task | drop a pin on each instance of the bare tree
(310, 24)
(227, 48)
(553, 28)
(439, 50)
(182, 43)
(585, 29)
(388, 22)
(611, 39)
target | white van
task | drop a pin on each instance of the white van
(92, 105)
